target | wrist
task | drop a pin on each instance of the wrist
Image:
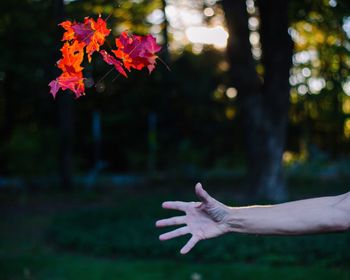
(236, 220)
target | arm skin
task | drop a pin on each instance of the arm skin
(210, 218)
(316, 215)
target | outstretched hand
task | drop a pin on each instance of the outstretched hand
(203, 220)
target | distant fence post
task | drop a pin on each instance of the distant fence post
(152, 142)
(96, 136)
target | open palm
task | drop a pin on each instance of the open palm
(204, 220)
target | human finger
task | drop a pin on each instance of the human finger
(189, 245)
(174, 221)
(175, 233)
(175, 205)
(201, 193)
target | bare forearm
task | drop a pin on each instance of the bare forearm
(323, 214)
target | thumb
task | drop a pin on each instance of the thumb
(201, 193)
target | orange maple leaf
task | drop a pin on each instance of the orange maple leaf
(70, 64)
(91, 33)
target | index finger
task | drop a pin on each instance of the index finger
(175, 205)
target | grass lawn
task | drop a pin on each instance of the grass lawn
(69, 266)
(111, 235)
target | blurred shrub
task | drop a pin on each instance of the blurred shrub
(30, 151)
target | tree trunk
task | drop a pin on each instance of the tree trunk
(165, 51)
(65, 120)
(263, 105)
(277, 50)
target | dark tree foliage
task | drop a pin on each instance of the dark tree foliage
(197, 126)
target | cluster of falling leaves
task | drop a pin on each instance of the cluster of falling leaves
(132, 51)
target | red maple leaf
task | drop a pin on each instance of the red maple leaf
(74, 83)
(134, 52)
(137, 51)
(113, 61)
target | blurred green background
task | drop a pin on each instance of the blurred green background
(252, 98)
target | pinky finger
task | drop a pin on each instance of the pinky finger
(189, 245)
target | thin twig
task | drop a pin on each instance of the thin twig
(166, 65)
(104, 76)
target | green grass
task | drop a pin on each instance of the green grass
(111, 235)
(69, 266)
